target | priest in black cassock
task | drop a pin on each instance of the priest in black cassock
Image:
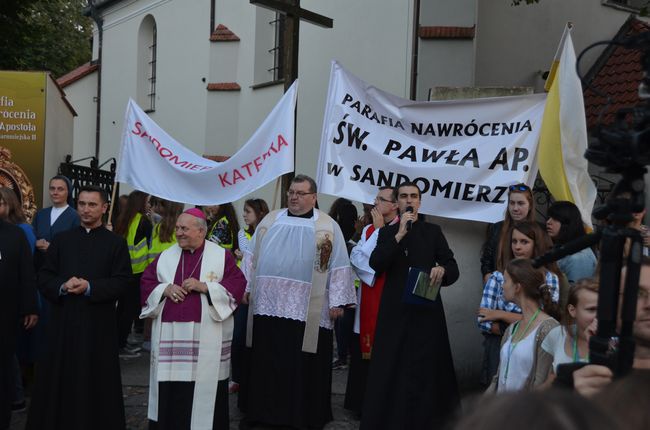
(78, 384)
(411, 381)
(18, 292)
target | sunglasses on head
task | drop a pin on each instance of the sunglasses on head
(519, 187)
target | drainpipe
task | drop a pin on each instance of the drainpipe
(415, 47)
(95, 15)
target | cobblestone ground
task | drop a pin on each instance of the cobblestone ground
(135, 379)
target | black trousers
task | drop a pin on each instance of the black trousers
(239, 343)
(343, 330)
(175, 406)
(128, 309)
(491, 357)
(6, 388)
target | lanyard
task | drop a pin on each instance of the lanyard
(514, 344)
(576, 353)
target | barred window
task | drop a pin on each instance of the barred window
(269, 48)
(147, 47)
(278, 50)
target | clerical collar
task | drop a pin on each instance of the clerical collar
(307, 215)
(197, 249)
(88, 229)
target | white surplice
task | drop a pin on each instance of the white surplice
(285, 267)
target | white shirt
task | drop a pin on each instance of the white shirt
(554, 343)
(521, 362)
(360, 256)
(56, 213)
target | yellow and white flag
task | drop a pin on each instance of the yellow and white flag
(563, 138)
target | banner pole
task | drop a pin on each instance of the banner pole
(275, 194)
(110, 210)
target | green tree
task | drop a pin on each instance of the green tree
(48, 35)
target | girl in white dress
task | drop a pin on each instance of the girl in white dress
(568, 343)
(524, 364)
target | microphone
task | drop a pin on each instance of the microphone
(409, 223)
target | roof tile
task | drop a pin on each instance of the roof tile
(223, 86)
(76, 74)
(223, 34)
(617, 73)
(443, 32)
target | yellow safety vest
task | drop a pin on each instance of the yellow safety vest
(156, 245)
(137, 251)
(214, 226)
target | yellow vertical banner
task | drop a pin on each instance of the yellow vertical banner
(22, 127)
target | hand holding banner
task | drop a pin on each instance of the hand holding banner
(152, 161)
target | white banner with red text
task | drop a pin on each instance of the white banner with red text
(462, 154)
(153, 162)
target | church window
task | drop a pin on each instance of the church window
(269, 48)
(278, 50)
(147, 56)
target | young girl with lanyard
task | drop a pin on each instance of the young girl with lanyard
(568, 343)
(525, 240)
(524, 363)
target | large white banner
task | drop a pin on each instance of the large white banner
(153, 162)
(462, 154)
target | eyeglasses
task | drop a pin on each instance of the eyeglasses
(519, 187)
(642, 294)
(299, 194)
(381, 199)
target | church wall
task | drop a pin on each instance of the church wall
(445, 62)
(58, 134)
(462, 299)
(222, 108)
(81, 95)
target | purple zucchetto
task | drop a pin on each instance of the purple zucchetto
(195, 212)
